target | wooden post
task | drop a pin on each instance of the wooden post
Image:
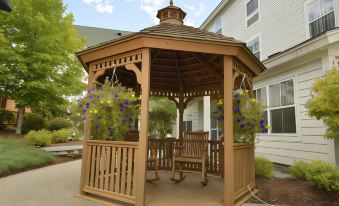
(181, 118)
(87, 133)
(228, 133)
(143, 140)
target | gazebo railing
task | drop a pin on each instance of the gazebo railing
(165, 153)
(111, 169)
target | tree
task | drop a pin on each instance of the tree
(162, 116)
(38, 67)
(324, 102)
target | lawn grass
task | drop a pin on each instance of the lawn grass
(16, 155)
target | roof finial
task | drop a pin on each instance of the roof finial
(171, 2)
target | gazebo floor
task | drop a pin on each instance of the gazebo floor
(190, 191)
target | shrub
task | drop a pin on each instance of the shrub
(38, 138)
(61, 136)
(33, 121)
(299, 169)
(322, 175)
(5, 117)
(75, 134)
(263, 167)
(58, 123)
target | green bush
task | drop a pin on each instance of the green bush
(263, 167)
(58, 123)
(38, 138)
(299, 169)
(61, 136)
(322, 175)
(33, 121)
(5, 117)
(75, 134)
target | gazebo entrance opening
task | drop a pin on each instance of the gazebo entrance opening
(178, 62)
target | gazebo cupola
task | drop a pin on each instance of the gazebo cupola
(171, 15)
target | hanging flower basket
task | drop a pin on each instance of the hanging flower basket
(112, 110)
(248, 117)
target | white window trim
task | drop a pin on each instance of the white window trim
(252, 14)
(222, 26)
(307, 23)
(260, 46)
(296, 134)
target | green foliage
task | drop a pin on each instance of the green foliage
(5, 117)
(76, 118)
(75, 135)
(58, 123)
(322, 175)
(39, 138)
(112, 110)
(324, 102)
(33, 121)
(61, 135)
(248, 117)
(162, 116)
(38, 67)
(263, 167)
(15, 155)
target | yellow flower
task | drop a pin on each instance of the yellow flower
(254, 100)
(95, 111)
(241, 92)
(101, 102)
(90, 111)
(108, 102)
(78, 114)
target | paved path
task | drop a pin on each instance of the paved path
(62, 148)
(55, 185)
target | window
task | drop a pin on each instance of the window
(218, 26)
(254, 46)
(187, 126)
(279, 99)
(321, 16)
(214, 129)
(252, 11)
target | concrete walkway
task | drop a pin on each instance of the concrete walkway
(62, 148)
(56, 185)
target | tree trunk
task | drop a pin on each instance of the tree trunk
(21, 112)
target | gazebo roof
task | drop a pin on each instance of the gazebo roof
(183, 58)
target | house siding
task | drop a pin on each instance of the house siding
(308, 143)
(281, 25)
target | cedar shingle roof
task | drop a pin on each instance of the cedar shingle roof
(188, 32)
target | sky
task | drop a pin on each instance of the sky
(134, 15)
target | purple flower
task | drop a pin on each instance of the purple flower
(238, 101)
(87, 105)
(130, 119)
(126, 102)
(121, 109)
(116, 96)
(91, 97)
(238, 120)
(262, 122)
(129, 126)
(214, 112)
(123, 121)
(248, 124)
(237, 110)
(97, 126)
(242, 126)
(84, 111)
(236, 95)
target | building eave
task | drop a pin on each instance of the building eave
(305, 48)
(214, 13)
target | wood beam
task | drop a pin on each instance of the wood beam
(208, 68)
(143, 134)
(228, 133)
(136, 70)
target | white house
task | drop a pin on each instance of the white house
(298, 41)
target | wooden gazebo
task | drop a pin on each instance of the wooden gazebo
(169, 60)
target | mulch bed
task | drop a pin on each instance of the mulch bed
(57, 160)
(293, 192)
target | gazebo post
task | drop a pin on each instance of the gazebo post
(181, 109)
(228, 133)
(87, 132)
(142, 149)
